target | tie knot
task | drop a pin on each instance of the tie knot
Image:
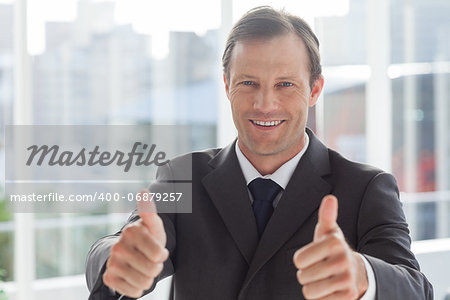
(264, 189)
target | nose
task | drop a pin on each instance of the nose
(265, 100)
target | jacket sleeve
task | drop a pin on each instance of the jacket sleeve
(383, 238)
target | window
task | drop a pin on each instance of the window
(387, 84)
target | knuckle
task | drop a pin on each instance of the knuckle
(115, 269)
(343, 263)
(352, 294)
(345, 279)
(306, 292)
(129, 232)
(109, 280)
(153, 270)
(116, 248)
(147, 265)
(300, 277)
(338, 264)
(336, 244)
(109, 265)
(118, 254)
(297, 259)
(148, 282)
(106, 278)
(141, 280)
(158, 268)
(109, 262)
(158, 254)
(125, 236)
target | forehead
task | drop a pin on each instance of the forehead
(280, 54)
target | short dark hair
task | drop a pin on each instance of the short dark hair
(264, 22)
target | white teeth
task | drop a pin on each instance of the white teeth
(270, 123)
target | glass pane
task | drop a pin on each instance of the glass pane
(420, 50)
(420, 31)
(343, 37)
(419, 120)
(344, 59)
(421, 147)
(70, 237)
(344, 120)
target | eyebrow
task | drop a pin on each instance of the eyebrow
(246, 76)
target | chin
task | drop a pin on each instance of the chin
(266, 150)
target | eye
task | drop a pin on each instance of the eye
(248, 82)
(285, 84)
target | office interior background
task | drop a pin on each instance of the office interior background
(386, 102)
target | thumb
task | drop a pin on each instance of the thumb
(328, 213)
(148, 213)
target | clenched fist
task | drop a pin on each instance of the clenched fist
(138, 257)
(327, 267)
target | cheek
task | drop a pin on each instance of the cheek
(234, 106)
(239, 103)
(236, 110)
(234, 91)
(303, 93)
(296, 103)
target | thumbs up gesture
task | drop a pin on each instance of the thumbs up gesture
(138, 257)
(327, 267)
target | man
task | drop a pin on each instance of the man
(237, 245)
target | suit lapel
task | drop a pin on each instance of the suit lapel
(227, 189)
(300, 200)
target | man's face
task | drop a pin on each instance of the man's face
(269, 92)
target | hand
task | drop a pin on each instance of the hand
(327, 267)
(138, 257)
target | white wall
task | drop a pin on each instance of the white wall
(434, 259)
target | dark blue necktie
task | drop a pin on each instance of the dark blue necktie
(264, 192)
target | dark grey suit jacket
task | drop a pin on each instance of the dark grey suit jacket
(215, 252)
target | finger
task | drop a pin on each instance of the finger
(148, 214)
(328, 213)
(146, 208)
(121, 286)
(323, 269)
(137, 260)
(329, 286)
(132, 277)
(329, 245)
(138, 237)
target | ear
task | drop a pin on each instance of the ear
(227, 86)
(316, 90)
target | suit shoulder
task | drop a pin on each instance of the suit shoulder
(343, 165)
(354, 179)
(182, 167)
(195, 156)
(193, 160)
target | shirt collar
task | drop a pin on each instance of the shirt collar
(281, 176)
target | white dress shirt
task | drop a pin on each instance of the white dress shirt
(282, 176)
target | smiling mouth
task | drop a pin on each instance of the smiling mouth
(267, 123)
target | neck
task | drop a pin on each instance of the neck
(269, 163)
